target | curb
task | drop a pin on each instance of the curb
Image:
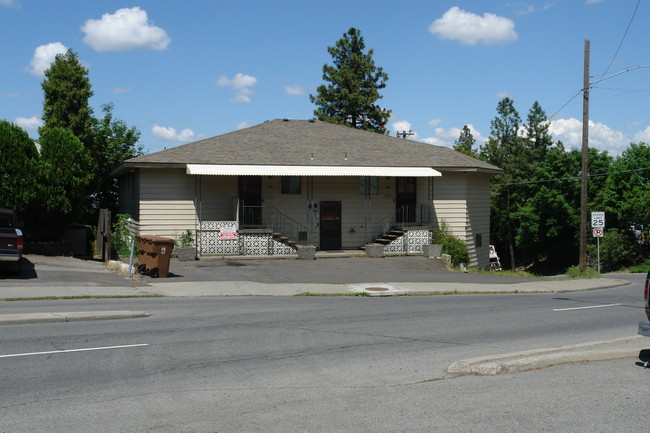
(21, 319)
(534, 359)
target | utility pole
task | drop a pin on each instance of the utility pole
(582, 263)
(404, 134)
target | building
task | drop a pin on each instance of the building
(264, 189)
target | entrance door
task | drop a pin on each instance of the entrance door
(250, 200)
(330, 225)
(406, 200)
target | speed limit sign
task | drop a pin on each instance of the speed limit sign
(598, 220)
(598, 232)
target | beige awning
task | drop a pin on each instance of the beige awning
(308, 170)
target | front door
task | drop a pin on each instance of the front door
(330, 225)
(250, 200)
(406, 200)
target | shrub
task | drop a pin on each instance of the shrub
(186, 240)
(121, 236)
(451, 245)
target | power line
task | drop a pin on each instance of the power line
(623, 38)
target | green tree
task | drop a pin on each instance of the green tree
(64, 179)
(352, 91)
(18, 158)
(67, 92)
(505, 149)
(113, 142)
(538, 139)
(625, 193)
(465, 142)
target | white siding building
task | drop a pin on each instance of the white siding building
(288, 182)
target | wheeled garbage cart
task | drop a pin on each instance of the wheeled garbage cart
(153, 255)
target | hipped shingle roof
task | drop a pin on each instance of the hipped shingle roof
(309, 142)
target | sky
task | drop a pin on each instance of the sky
(180, 71)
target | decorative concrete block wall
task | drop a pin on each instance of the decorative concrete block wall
(246, 244)
(412, 242)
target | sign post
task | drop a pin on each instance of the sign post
(598, 226)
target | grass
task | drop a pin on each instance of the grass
(642, 267)
(506, 273)
(574, 272)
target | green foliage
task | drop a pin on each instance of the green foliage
(451, 245)
(619, 250)
(353, 86)
(574, 272)
(18, 158)
(67, 92)
(63, 177)
(121, 236)
(113, 142)
(465, 142)
(642, 267)
(186, 240)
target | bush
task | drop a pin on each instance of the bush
(451, 245)
(186, 240)
(121, 236)
(619, 249)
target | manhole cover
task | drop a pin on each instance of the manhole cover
(377, 289)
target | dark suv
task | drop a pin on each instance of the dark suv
(11, 241)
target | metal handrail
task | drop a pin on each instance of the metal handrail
(272, 218)
(407, 215)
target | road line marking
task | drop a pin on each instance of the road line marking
(584, 308)
(88, 349)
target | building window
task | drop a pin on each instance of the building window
(290, 185)
(479, 240)
(369, 185)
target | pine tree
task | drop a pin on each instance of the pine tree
(353, 90)
(465, 142)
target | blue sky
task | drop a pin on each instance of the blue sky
(184, 70)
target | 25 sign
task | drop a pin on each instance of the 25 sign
(598, 220)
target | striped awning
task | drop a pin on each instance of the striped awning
(308, 170)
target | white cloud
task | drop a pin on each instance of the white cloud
(642, 136)
(242, 125)
(32, 123)
(601, 136)
(119, 90)
(170, 134)
(404, 126)
(294, 90)
(44, 56)
(471, 29)
(125, 30)
(241, 85)
(447, 137)
(593, 2)
(434, 122)
(13, 95)
(8, 3)
(502, 95)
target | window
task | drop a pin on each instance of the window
(479, 240)
(290, 185)
(369, 185)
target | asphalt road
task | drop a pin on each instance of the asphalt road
(332, 364)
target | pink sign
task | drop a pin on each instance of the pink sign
(228, 233)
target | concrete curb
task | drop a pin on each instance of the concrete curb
(534, 359)
(21, 319)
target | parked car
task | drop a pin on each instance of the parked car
(11, 241)
(644, 328)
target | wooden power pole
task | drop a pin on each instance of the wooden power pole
(582, 263)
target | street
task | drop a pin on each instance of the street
(320, 364)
